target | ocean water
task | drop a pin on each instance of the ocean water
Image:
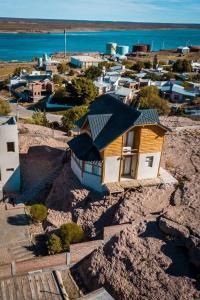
(24, 46)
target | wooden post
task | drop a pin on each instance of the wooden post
(68, 258)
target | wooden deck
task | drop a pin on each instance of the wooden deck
(120, 187)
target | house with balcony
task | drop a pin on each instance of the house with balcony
(116, 143)
(9, 156)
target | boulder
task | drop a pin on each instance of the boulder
(173, 229)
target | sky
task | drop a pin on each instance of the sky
(172, 11)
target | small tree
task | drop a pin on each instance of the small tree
(147, 64)
(149, 98)
(72, 115)
(93, 73)
(38, 212)
(70, 233)
(83, 90)
(54, 244)
(138, 66)
(17, 71)
(57, 79)
(63, 68)
(4, 108)
(39, 118)
(181, 66)
(155, 61)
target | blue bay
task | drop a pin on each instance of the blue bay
(24, 46)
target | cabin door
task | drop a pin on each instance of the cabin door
(127, 165)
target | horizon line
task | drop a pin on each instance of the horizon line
(103, 21)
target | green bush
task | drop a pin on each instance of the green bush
(149, 98)
(4, 108)
(138, 66)
(57, 79)
(83, 90)
(93, 73)
(70, 233)
(54, 244)
(181, 66)
(17, 71)
(63, 68)
(38, 212)
(38, 118)
(72, 115)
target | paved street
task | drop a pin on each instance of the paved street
(22, 112)
(14, 223)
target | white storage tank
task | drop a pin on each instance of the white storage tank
(122, 50)
(111, 48)
(40, 62)
(45, 57)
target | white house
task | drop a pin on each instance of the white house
(9, 156)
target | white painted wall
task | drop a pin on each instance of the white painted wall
(111, 169)
(10, 180)
(145, 172)
(76, 169)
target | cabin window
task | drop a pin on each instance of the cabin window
(88, 168)
(93, 168)
(97, 169)
(149, 161)
(10, 147)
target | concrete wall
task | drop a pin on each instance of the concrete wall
(146, 172)
(111, 169)
(10, 180)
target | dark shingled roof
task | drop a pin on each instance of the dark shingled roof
(97, 123)
(83, 148)
(109, 118)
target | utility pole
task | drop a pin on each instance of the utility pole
(65, 34)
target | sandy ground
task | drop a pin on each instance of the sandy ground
(146, 264)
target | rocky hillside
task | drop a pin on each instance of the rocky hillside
(160, 257)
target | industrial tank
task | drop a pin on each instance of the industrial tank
(141, 48)
(195, 48)
(40, 62)
(45, 56)
(111, 48)
(122, 50)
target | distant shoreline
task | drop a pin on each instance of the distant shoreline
(90, 30)
(14, 25)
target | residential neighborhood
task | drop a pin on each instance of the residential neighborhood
(99, 166)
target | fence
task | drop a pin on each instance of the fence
(76, 254)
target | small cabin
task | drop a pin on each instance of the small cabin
(116, 143)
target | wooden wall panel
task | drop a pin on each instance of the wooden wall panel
(151, 139)
(115, 148)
